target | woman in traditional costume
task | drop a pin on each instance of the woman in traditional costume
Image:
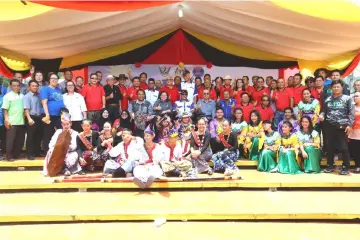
(163, 126)
(288, 160)
(184, 125)
(200, 148)
(176, 165)
(268, 156)
(309, 143)
(309, 106)
(224, 161)
(105, 143)
(86, 142)
(215, 128)
(289, 116)
(240, 128)
(145, 173)
(71, 162)
(255, 136)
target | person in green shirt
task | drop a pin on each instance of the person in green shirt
(13, 109)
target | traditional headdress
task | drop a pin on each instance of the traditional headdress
(149, 130)
(173, 133)
(65, 117)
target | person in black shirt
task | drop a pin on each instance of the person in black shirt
(224, 161)
(113, 98)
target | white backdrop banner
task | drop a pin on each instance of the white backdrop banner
(160, 72)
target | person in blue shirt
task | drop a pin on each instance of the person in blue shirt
(52, 102)
(324, 73)
(227, 105)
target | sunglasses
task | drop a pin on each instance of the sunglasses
(206, 93)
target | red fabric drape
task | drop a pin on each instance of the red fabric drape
(352, 66)
(177, 49)
(103, 6)
(281, 72)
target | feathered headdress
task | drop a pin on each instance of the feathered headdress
(173, 133)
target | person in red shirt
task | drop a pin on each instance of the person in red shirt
(143, 79)
(219, 81)
(132, 91)
(123, 91)
(265, 110)
(239, 88)
(317, 91)
(249, 89)
(79, 84)
(171, 90)
(245, 105)
(268, 81)
(94, 96)
(260, 91)
(207, 85)
(290, 82)
(226, 87)
(283, 98)
(297, 91)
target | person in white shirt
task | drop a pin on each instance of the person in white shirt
(183, 105)
(151, 94)
(190, 87)
(75, 103)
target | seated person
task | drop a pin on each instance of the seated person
(71, 163)
(86, 142)
(255, 136)
(127, 154)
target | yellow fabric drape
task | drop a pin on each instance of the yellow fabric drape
(16, 65)
(330, 10)
(111, 51)
(238, 50)
(15, 10)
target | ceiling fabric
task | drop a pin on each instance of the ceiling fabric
(302, 31)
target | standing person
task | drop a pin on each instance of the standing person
(198, 83)
(34, 127)
(206, 105)
(249, 89)
(151, 93)
(171, 90)
(2, 130)
(323, 72)
(354, 136)
(219, 81)
(113, 98)
(190, 86)
(226, 87)
(183, 105)
(79, 84)
(13, 109)
(123, 91)
(290, 82)
(309, 82)
(288, 162)
(268, 81)
(255, 136)
(94, 96)
(338, 112)
(265, 109)
(254, 80)
(207, 86)
(200, 148)
(39, 78)
(357, 86)
(162, 105)
(268, 156)
(140, 105)
(260, 91)
(317, 91)
(51, 102)
(99, 77)
(132, 91)
(283, 98)
(23, 87)
(68, 76)
(239, 88)
(309, 144)
(177, 82)
(227, 105)
(335, 76)
(246, 106)
(75, 103)
(309, 107)
(159, 84)
(224, 160)
(143, 78)
(289, 116)
(273, 88)
(297, 92)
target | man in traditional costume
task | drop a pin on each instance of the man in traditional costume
(57, 146)
(128, 154)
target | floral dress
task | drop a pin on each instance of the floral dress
(311, 109)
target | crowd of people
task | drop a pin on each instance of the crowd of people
(149, 130)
